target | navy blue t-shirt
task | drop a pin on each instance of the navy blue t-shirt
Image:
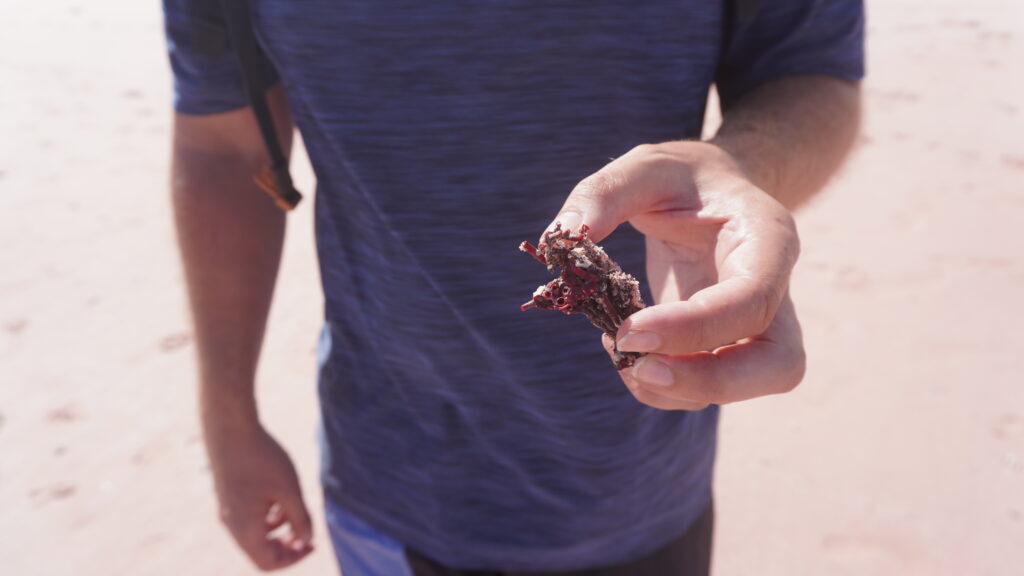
(442, 134)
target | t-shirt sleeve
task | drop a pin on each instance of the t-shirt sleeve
(207, 77)
(793, 37)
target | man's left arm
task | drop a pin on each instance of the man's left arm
(791, 135)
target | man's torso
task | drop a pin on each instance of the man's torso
(443, 135)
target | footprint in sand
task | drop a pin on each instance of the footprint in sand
(897, 95)
(1008, 426)
(40, 496)
(1006, 108)
(996, 35)
(1015, 162)
(152, 450)
(869, 548)
(64, 414)
(970, 155)
(852, 279)
(911, 27)
(951, 23)
(172, 342)
(16, 326)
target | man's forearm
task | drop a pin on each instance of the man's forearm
(230, 236)
(791, 135)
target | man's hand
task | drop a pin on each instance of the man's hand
(258, 492)
(720, 241)
(719, 256)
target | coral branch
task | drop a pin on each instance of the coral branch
(589, 283)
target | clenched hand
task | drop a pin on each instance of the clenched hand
(258, 492)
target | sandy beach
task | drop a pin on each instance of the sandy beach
(901, 454)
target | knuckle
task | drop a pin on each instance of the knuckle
(765, 301)
(789, 235)
(793, 233)
(596, 185)
(795, 367)
(786, 220)
(700, 330)
(793, 249)
(712, 386)
(654, 156)
(644, 150)
(798, 369)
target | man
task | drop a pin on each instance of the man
(460, 435)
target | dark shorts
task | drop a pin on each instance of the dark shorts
(362, 551)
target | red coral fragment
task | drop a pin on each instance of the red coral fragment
(590, 283)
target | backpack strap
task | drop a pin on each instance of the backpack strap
(737, 14)
(210, 38)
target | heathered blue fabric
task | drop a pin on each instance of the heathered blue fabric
(443, 134)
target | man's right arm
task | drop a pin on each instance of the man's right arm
(230, 236)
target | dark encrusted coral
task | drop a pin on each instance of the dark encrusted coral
(590, 283)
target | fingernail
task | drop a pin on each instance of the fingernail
(653, 372)
(639, 342)
(569, 221)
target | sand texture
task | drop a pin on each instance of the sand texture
(902, 453)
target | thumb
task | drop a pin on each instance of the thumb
(612, 195)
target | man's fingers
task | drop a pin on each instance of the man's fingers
(629, 185)
(298, 517)
(740, 372)
(771, 364)
(594, 202)
(252, 531)
(755, 258)
(265, 553)
(645, 395)
(275, 518)
(722, 314)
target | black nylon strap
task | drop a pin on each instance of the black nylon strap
(736, 14)
(239, 25)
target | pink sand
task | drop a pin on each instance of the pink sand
(902, 453)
